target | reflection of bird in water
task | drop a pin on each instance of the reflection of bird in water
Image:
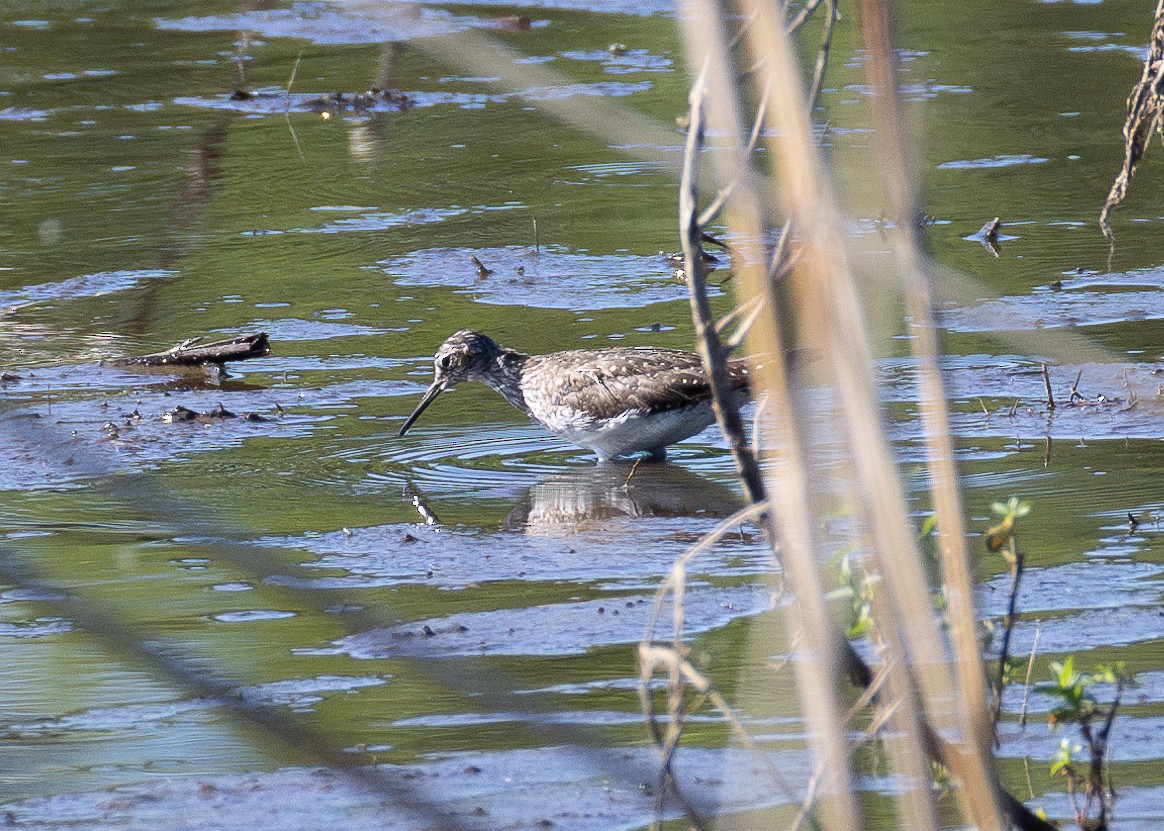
(616, 401)
(588, 498)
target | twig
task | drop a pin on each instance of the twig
(679, 670)
(713, 352)
(678, 568)
(1027, 681)
(867, 736)
(736, 312)
(1106, 735)
(822, 55)
(1016, 576)
(712, 210)
(421, 505)
(633, 470)
(738, 38)
(1047, 381)
(988, 237)
(291, 82)
(287, 107)
(781, 262)
(1075, 388)
(802, 16)
(483, 271)
(717, 204)
(757, 423)
(989, 231)
(651, 657)
(1144, 118)
(741, 332)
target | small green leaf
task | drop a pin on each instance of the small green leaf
(1061, 759)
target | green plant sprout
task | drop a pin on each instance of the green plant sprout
(855, 587)
(999, 535)
(1001, 538)
(1077, 705)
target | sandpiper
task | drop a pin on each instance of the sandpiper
(616, 402)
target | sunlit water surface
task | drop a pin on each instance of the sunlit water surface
(461, 606)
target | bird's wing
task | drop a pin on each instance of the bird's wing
(605, 384)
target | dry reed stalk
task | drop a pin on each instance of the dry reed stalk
(831, 302)
(894, 148)
(802, 15)
(1027, 680)
(819, 673)
(823, 283)
(833, 305)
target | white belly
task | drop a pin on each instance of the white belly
(631, 432)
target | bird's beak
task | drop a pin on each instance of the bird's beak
(436, 389)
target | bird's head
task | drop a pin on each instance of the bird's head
(465, 356)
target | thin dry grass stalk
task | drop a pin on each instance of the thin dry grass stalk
(1145, 117)
(898, 179)
(148, 498)
(176, 665)
(681, 673)
(819, 673)
(921, 686)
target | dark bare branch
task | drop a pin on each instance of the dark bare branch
(1145, 117)
(712, 350)
(189, 353)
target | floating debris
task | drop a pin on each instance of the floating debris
(482, 270)
(182, 414)
(988, 235)
(179, 414)
(189, 353)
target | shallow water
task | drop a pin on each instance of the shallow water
(289, 561)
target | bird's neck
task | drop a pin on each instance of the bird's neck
(505, 376)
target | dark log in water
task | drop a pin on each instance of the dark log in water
(189, 353)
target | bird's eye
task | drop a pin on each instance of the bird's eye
(445, 361)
